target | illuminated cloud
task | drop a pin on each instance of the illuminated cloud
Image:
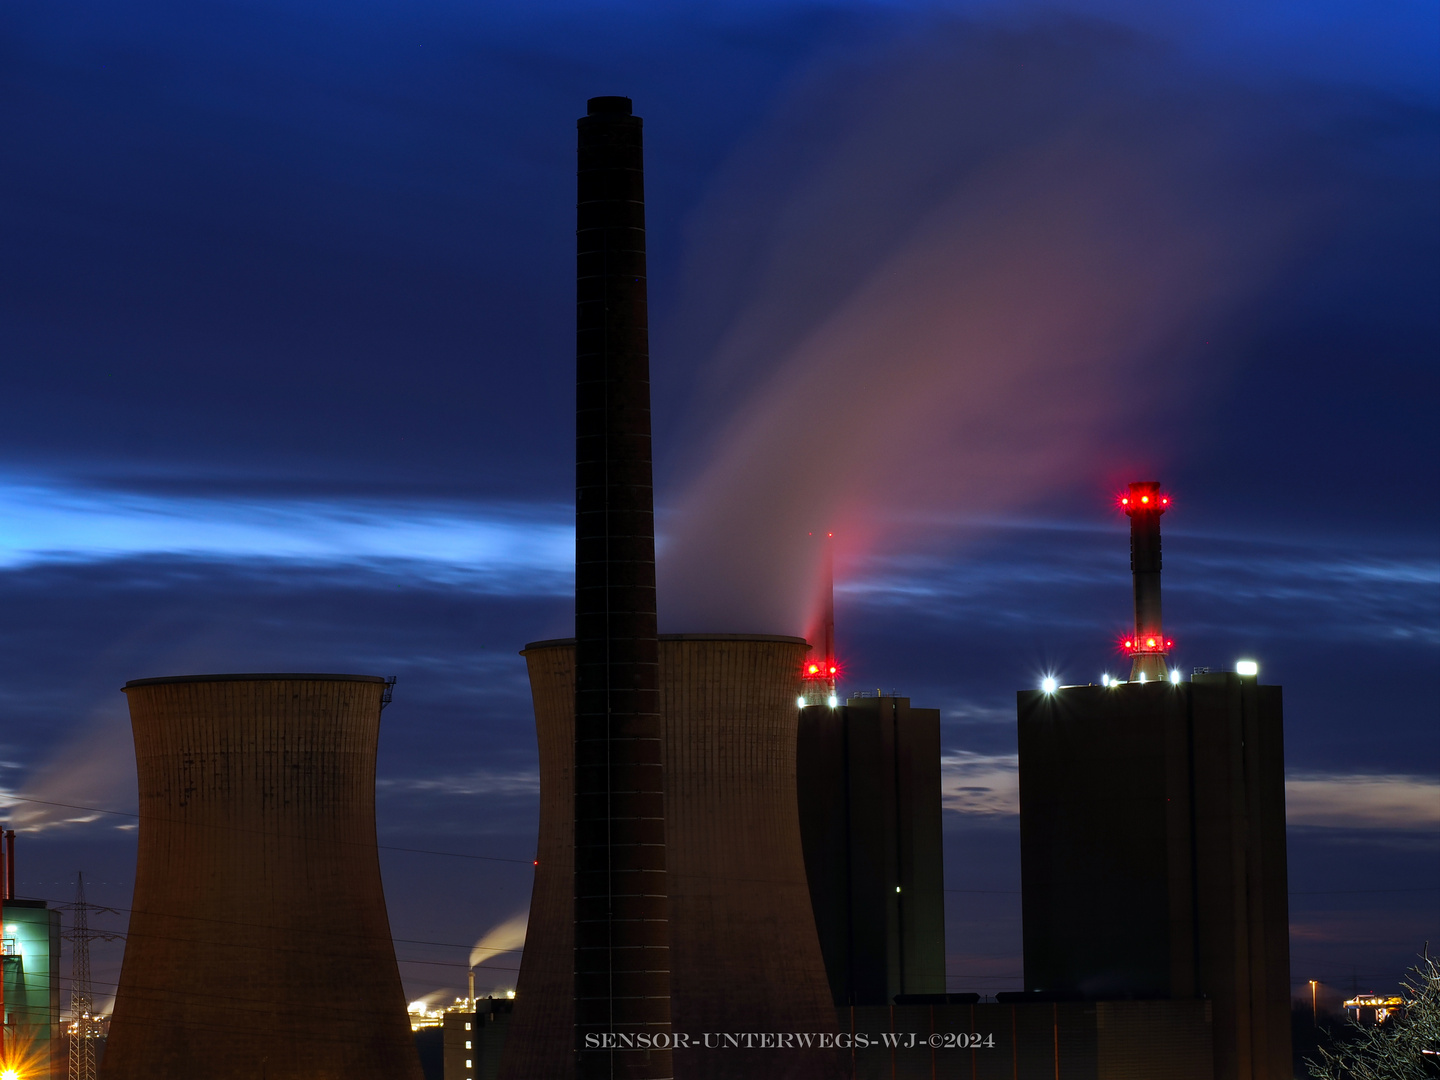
(983, 784)
(524, 549)
(1292, 588)
(1362, 800)
(94, 768)
(988, 785)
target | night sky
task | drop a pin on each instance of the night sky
(286, 325)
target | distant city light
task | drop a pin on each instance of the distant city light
(1175, 676)
(1048, 684)
(1247, 667)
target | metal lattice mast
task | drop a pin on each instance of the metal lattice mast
(84, 1025)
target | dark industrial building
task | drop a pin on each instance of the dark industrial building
(1152, 835)
(258, 942)
(473, 1040)
(868, 777)
(1049, 1040)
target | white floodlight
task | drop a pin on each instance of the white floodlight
(1048, 684)
(800, 701)
(1247, 667)
(1175, 675)
(832, 701)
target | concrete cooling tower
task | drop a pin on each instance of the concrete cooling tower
(258, 945)
(744, 953)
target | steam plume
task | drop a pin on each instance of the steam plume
(96, 768)
(503, 937)
(943, 285)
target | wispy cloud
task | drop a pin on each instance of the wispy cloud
(1315, 587)
(988, 785)
(479, 782)
(1363, 800)
(95, 768)
(983, 784)
(517, 548)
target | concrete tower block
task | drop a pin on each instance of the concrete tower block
(258, 943)
(744, 953)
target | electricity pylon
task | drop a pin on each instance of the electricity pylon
(84, 1025)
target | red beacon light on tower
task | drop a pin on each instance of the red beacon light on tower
(821, 669)
(1139, 502)
(1130, 644)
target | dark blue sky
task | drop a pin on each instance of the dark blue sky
(286, 328)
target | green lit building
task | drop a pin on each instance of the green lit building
(31, 945)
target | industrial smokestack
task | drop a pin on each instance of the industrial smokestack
(7, 857)
(258, 944)
(821, 668)
(621, 957)
(1148, 647)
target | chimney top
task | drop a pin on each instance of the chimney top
(598, 105)
(1144, 497)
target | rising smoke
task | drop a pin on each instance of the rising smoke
(93, 771)
(503, 937)
(948, 280)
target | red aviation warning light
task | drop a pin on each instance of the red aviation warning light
(1131, 645)
(826, 670)
(1143, 498)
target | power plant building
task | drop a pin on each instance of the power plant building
(30, 956)
(868, 775)
(257, 886)
(1152, 835)
(474, 1037)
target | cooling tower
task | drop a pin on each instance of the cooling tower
(258, 945)
(744, 953)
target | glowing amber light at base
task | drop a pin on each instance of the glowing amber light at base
(21, 1059)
